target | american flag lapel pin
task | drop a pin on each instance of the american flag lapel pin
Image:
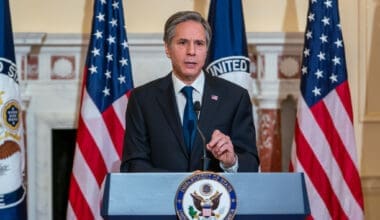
(214, 97)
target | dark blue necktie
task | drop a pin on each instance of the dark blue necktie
(189, 118)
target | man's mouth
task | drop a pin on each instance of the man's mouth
(190, 63)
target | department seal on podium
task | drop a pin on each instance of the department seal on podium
(205, 196)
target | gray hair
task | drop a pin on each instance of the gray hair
(183, 16)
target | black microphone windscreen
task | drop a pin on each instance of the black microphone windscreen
(205, 159)
(197, 106)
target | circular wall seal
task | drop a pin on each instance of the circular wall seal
(205, 195)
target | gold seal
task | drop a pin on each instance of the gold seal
(11, 115)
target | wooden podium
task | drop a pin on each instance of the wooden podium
(151, 195)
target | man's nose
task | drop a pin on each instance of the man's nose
(191, 49)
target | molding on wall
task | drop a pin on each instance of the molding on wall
(273, 38)
(362, 64)
(371, 185)
(28, 38)
(373, 117)
(262, 38)
(367, 10)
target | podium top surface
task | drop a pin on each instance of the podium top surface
(154, 193)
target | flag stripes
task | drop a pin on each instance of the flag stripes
(115, 129)
(340, 138)
(94, 159)
(317, 175)
(98, 132)
(81, 206)
(344, 96)
(121, 103)
(327, 165)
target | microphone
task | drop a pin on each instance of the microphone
(205, 159)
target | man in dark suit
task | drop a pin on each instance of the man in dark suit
(161, 134)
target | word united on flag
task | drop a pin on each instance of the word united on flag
(324, 144)
(12, 158)
(107, 82)
(228, 53)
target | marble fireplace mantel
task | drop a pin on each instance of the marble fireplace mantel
(50, 69)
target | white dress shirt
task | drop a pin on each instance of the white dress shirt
(197, 85)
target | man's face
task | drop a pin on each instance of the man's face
(187, 50)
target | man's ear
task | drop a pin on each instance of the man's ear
(167, 50)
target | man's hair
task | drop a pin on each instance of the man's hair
(183, 16)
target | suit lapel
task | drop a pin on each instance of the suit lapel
(167, 102)
(210, 101)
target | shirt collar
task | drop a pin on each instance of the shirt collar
(198, 83)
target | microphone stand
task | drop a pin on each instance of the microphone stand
(205, 159)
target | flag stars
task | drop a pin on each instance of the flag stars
(316, 91)
(328, 3)
(108, 74)
(319, 74)
(309, 35)
(323, 38)
(306, 52)
(115, 5)
(326, 21)
(109, 57)
(336, 60)
(113, 22)
(111, 40)
(338, 43)
(304, 70)
(333, 78)
(321, 56)
(121, 79)
(106, 91)
(93, 69)
(95, 52)
(98, 34)
(123, 62)
(311, 17)
(314, 1)
(100, 17)
(124, 44)
(109, 70)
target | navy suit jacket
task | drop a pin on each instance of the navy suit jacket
(154, 141)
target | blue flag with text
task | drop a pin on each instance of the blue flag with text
(12, 192)
(228, 54)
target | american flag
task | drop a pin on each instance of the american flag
(324, 144)
(107, 82)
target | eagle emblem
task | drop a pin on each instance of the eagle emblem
(205, 196)
(206, 205)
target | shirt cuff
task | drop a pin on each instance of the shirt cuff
(233, 168)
